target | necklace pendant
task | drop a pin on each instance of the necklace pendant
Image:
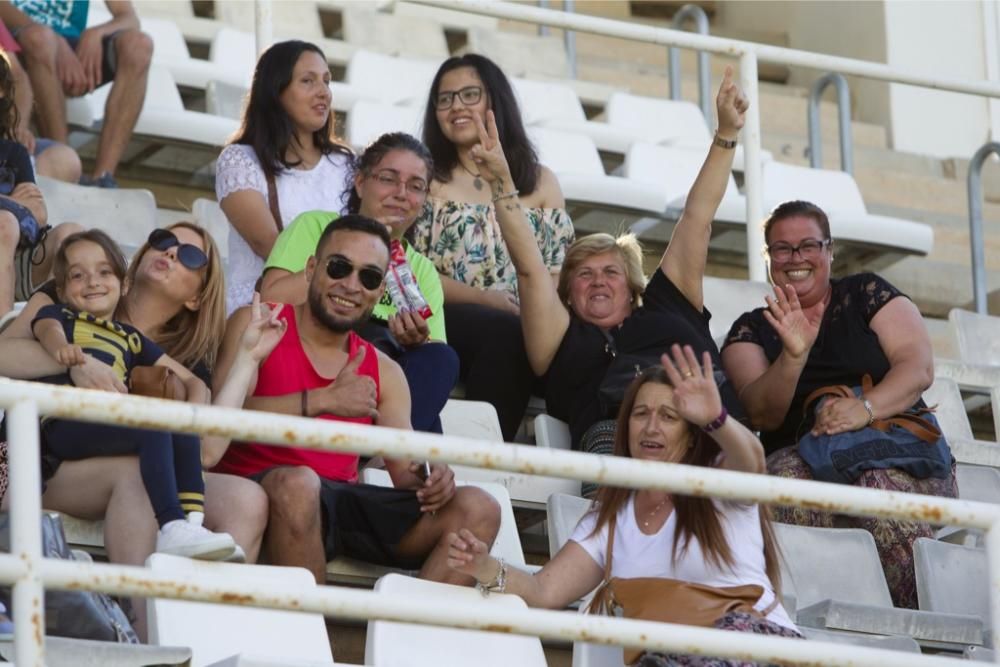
(477, 183)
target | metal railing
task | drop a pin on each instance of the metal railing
(976, 240)
(29, 573)
(569, 37)
(749, 54)
(700, 18)
(843, 121)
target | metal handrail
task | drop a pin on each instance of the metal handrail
(975, 190)
(749, 53)
(700, 18)
(569, 37)
(30, 573)
(839, 82)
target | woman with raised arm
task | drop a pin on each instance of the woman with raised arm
(818, 331)
(175, 296)
(459, 232)
(284, 160)
(670, 414)
(604, 319)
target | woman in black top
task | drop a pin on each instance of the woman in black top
(817, 331)
(602, 302)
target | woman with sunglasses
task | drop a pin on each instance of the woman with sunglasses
(284, 160)
(459, 232)
(388, 183)
(182, 310)
(818, 331)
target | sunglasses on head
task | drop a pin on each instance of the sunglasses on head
(191, 256)
(338, 268)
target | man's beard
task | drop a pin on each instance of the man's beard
(331, 322)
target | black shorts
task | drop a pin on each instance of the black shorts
(366, 522)
(109, 56)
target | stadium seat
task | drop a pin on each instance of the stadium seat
(552, 433)
(216, 631)
(564, 512)
(411, 36)
(128, 215)
(471, 419)
(382, 78)
(951, 578)
(171, 51)
(889, 643)
(944, 395)
(727, 299)
(196, 29)
(367, 121)
(521, 55)
(839, 585)
(66, 652)
(296, 19)
(597, 655)
(389, 644)
(208, 214)
(979, 654)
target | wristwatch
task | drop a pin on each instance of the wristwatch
(871, 413)
(723, 143)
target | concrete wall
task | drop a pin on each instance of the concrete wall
(943, 37)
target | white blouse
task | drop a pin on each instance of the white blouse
(299, 190)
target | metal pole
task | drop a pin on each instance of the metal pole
(843, 117)
(975, 189)
(569, 37)
(753, 175)
(542, 28)
(263, 25)
(993, 557)
(674, 60)
(26, 533)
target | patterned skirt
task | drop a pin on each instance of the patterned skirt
(893, 538)
(736, 621)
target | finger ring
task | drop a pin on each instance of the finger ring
(688, 374)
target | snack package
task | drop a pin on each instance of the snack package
(402, 286)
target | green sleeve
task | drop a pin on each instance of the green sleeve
(297, 243)
(430, 286)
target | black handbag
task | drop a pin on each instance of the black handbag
(75, 614)
(623, 370)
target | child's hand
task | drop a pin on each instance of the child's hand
(70, 355)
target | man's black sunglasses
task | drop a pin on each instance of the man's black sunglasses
(338, 267)
(191, 256)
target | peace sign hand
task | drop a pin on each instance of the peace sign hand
(264, 330)
(732, 105)
(488, 153)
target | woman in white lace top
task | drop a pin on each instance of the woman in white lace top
(284, 160)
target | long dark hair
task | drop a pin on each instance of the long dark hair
(696, 516)
(372, 156)
(266, 126)
(9, 118)
(521, 155)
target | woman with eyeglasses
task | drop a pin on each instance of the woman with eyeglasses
(387, 183)
(284, 160)
(174, 295)
(818, 331)
(459, 231)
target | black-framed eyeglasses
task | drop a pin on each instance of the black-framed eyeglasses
(807, 249)
(191, 256)
(339, 267)
(388, 178)
(469, 95)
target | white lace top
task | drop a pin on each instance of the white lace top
(299, 190)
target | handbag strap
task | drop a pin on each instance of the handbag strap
(609, 345)
(837, 390)
(272, 200)
(918, 426)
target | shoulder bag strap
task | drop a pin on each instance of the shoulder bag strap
(609, 347)
(272, 200)
(601, 602)
(918, 426)
(838, 390)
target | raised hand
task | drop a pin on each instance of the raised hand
(488, 153)
(350, 394)
(469, 555)
(731, 104)
(796, 329)
(263, 331)
(696, 396)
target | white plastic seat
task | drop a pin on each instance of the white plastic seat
(216, 631)
(128, 215)
(564, 512)
(412, 36)
(977, 336)
(597, 655)
(171, 51)
(163, 115)
(471, 419)
(521, 54)
(208, 214)
(383, 78)
(727, 299)
(390, 644)
(367, 121)
(297, 19)
(837, 193)
(945, 397)
(552, 433)
(951, 578)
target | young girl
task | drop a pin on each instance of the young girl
(89, 271)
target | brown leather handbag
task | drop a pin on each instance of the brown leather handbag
(669, 600)
(156, 382)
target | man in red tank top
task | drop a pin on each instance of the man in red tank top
(322, 369)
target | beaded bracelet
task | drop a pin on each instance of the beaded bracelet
(716, 423)
(499, 583)
(508, 195)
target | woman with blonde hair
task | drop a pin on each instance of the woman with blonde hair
(181, 309)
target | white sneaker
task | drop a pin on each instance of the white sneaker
(184, 538)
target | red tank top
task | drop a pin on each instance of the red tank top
(288, 370)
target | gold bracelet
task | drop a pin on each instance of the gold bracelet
(509, 195)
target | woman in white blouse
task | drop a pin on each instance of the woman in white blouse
(284, 160)
(671, 414)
